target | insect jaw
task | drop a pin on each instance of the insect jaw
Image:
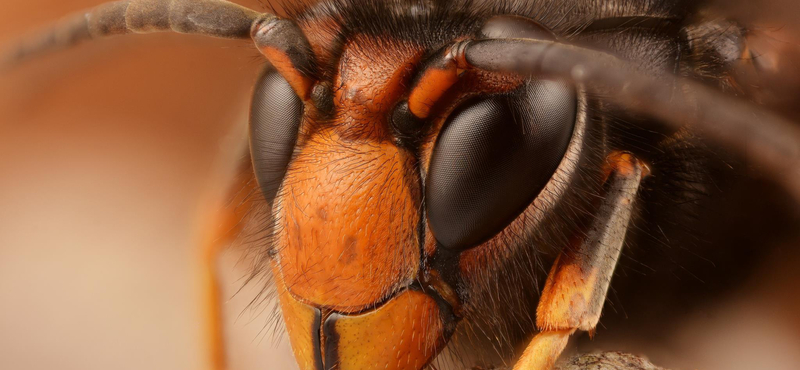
(405, 332)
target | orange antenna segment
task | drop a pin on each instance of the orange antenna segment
(287, 48)
(441, 74)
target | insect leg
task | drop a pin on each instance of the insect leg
(221, 227)
(216, 18)
(764, 138)
(576, 287)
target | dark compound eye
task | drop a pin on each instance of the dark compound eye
(493, 157)
(275, 115)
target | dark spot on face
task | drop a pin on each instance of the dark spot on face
(298, 239)
(322, 214)
(349, 253)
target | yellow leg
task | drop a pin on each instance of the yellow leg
(543, 351)
(576, 287)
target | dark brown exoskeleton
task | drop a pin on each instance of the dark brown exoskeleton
(415, 157)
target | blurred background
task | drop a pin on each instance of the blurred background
(108, 152)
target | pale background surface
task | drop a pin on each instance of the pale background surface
(106, 152)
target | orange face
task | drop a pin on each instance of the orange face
(349, 213)
(350, 206)
(362, 281)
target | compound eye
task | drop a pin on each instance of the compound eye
(275, 115)
(492, 158)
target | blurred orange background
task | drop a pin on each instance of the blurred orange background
(108, 151)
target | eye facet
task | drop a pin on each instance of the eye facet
(275, 115)
(493, 157)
